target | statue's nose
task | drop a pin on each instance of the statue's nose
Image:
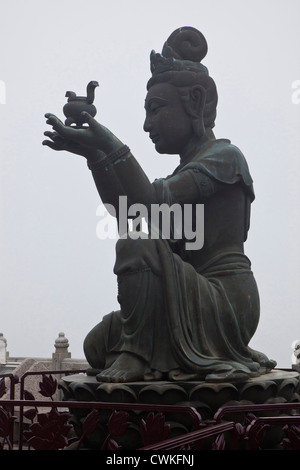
(147, 125)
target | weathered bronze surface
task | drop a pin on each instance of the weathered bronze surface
(185, 314)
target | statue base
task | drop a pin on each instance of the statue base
(205, 398)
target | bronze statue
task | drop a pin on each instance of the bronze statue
(184, 314)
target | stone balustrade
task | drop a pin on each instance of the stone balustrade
(61, 358)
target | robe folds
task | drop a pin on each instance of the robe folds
(190, 314)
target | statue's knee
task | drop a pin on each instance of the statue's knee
(131, 245)
(136, 254)
(101, 339)
(94, 357)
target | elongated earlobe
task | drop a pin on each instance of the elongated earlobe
(196, 104)
(198, 127)
(193, 100)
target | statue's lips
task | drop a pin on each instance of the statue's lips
(154, 138)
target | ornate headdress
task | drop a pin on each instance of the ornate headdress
(183, 51)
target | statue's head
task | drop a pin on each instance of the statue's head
(178, 73)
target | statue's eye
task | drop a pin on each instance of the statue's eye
(154, 106)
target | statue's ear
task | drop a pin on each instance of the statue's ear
(196, 108)
(197, 101)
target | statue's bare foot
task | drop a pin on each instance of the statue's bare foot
(126, 368)
(92, 371)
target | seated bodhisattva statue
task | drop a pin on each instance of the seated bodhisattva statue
(185, 313)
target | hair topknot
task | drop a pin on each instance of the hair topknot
(185, 43)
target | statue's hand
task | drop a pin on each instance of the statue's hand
(59, 143)
(85, 141)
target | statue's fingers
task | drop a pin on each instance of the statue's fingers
(64, 131)
(89, 119)
(52, 135)
(49, 134)
(52, 119)
(58, 139)
(52, 145)
(55, 122)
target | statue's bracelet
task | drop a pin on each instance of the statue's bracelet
(110, 159)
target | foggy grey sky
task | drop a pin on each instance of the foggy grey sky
(56, 275)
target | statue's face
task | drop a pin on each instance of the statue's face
(169, 125)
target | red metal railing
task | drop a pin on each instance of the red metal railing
(52, 429)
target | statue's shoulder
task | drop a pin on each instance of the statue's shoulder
(223, 162)
(216, 155)
(220, 149)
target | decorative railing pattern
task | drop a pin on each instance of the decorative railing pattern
(46, 424)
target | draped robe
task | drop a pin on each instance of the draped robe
(187, 313)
